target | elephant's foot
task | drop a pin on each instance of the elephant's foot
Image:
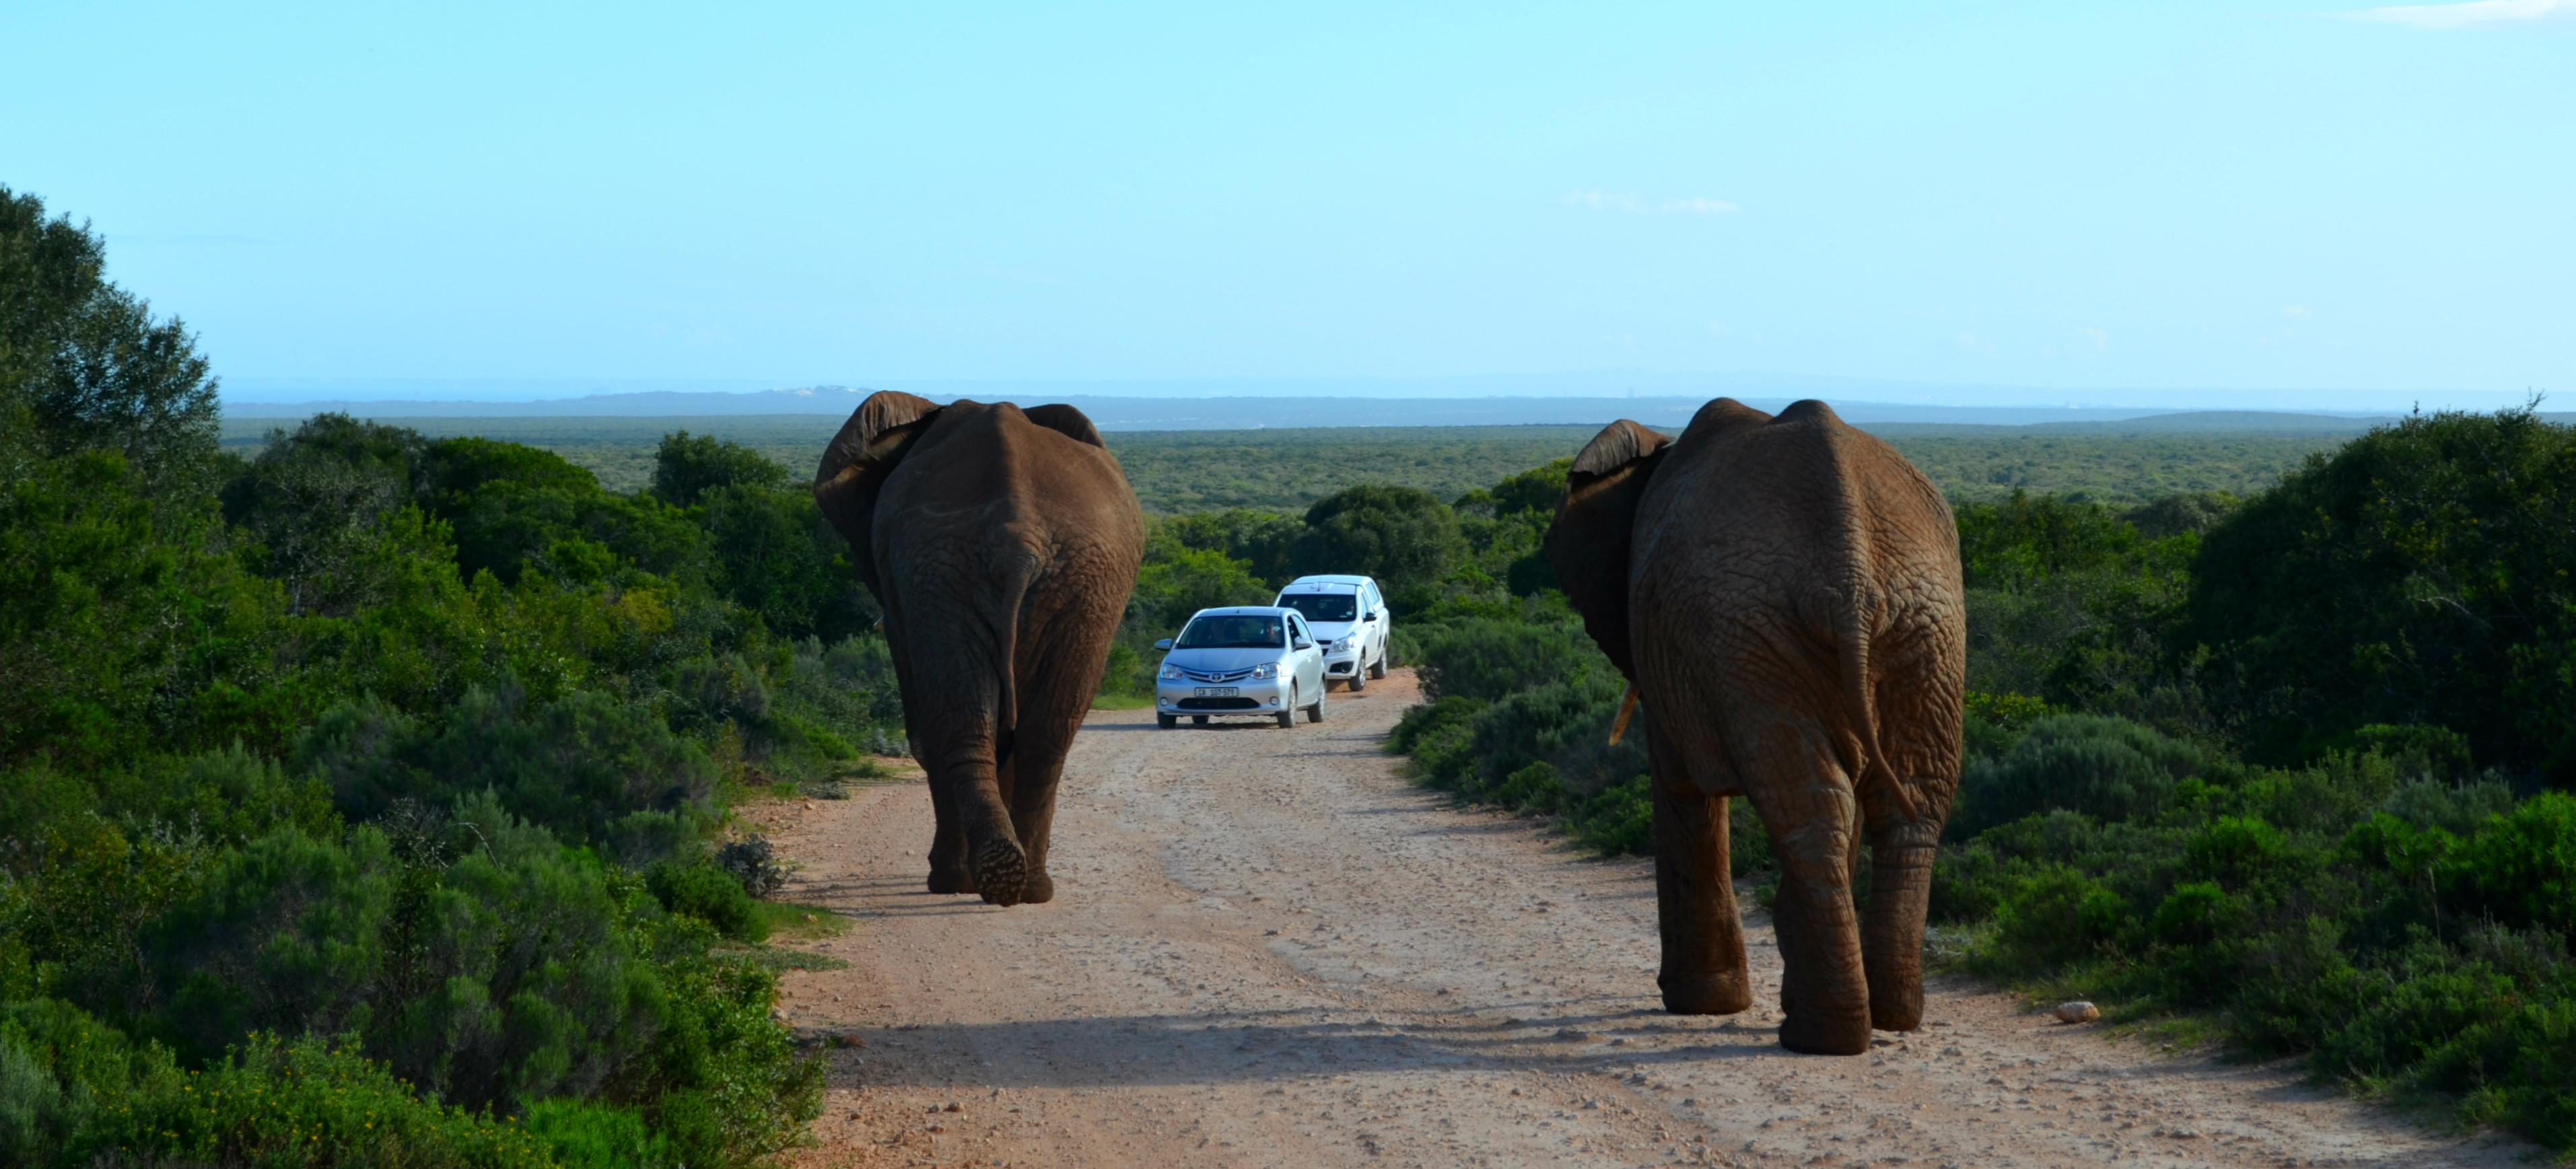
(1896, 1011)
(944, 879)
(1706, 994)
(1001, 870)
(1037, 890)
(1818, 1033)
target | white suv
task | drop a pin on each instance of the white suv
(1349, 617)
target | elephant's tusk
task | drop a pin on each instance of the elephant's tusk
(1627, 706)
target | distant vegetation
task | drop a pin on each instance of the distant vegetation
(1287, 470)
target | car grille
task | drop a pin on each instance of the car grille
(1216, 676)
(1218, 704)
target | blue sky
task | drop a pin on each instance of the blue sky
(2137, 203)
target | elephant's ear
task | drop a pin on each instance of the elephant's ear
(1589, 542)
(855, 466)
(1066, 420)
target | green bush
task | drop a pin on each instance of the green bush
(711, 895)
(2419, 575)
(2108, 768)
(2521, 867)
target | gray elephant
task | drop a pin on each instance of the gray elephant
(1001, 543)
(1784, 596)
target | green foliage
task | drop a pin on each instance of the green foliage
(2419, 575)
(1403, 536)
(708, 894)
(577, 765)
(327, 774)
(2104, 767)
(686, 467)
(84, 367)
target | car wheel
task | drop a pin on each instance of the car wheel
(1288, 713)
(1378, 670)
(1167, 721)
(1358, 680)
(1315, 713)
(1198, 720)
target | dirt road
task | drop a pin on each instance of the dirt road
(1268, 950)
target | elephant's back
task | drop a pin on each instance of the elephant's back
(1783, 537)
(995, 470)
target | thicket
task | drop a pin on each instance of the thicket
(2289, 771)
(358, 796)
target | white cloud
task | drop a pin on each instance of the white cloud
(2295, 311)
(2476, 13)
(1631, 203)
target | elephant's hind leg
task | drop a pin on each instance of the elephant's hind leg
(1703, 935)
(1900, 891)
(1806, 802)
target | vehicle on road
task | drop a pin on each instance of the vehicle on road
(1263, 661)
(1351, 621)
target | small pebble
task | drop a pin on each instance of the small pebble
(2077, 1011)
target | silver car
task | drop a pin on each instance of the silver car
(1261, 661)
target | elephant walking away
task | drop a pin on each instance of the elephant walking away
(1001, 543)
(1784, 595)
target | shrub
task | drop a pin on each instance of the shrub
(2522, 865)
(754, 863)
(577, 765)
(282, 1104)
(2108, 768)
(2054, 916)
(2418, 575)
(285, 937)
(1403, 536)
(709, 894)
(1620, 820)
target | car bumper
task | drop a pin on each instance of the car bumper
(1265, 696)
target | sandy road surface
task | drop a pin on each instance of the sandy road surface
(1267, 950)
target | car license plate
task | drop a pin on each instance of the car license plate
(1217, 691)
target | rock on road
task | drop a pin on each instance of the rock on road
(1267, 949)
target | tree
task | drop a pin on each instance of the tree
(2422, 574)
(690, 466)
(1403, 536)
(83, 364)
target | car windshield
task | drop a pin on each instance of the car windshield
(1324, 606)
(1232, 632)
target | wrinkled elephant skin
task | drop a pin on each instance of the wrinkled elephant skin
(1002, 544)
(1785, 594)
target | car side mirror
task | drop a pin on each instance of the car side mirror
(1166, 643)
(1302, 643)
(1370, 617)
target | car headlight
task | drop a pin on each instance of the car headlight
(1351, 642)
(1171, 673)
(1266, 670)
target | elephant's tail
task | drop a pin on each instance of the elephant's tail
(1852, 638)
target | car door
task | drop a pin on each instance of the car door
(1310, 660)
(1377, 631)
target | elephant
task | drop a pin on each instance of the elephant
(1783, 594)
(1001, 544)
